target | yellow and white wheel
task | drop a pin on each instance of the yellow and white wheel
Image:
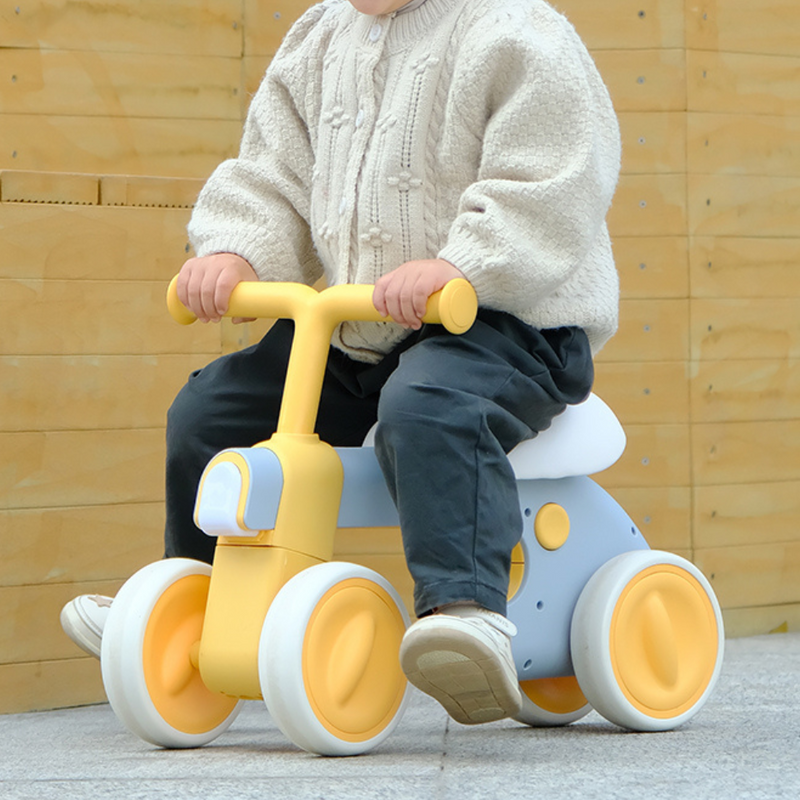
(647, 640)
(328, 659)
(149, 654)
(551, 702)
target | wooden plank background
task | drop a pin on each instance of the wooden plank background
(111, 117)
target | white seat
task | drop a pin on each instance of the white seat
(584, 439)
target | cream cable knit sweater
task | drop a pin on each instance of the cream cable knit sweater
(477, 131)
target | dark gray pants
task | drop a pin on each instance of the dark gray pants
(449, 408)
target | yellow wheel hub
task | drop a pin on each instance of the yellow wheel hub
(663, 641)
(556, 695)
(351, 665)
(169, 660)
(517, 571)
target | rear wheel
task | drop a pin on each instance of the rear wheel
(647, 640)
(550, 702)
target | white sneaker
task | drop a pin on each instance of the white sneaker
(83, 620)
(462, 658)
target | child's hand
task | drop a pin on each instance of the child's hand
(403, 293)
(205, 284)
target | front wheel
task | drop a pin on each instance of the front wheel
(647, 640)
(149, 653)
(329, 662)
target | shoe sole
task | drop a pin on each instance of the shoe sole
(76, 629)
(462, 674)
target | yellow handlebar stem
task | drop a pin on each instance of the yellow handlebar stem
(316, 315)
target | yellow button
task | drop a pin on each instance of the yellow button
(551, 526)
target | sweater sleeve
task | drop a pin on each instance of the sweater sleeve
(257, 205)
(549, 163)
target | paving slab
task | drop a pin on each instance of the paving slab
(745, 744)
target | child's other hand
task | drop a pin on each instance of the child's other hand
(403, 293)
(205, 284)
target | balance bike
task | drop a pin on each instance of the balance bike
(603, 621)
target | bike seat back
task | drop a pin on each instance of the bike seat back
(584, 439)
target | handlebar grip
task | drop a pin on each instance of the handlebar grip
(455, 306)
(178, 310)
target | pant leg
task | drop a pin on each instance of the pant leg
(234, 402)
(448, 415)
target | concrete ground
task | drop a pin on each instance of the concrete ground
(744, 744)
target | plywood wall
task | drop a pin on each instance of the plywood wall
(88, 361)
(126, 86)
(743, 121)
(112, 114)
(706, 225)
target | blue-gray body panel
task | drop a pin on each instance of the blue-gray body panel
(553, 580)
(366, 502)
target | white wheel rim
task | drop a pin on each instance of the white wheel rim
(122, 660)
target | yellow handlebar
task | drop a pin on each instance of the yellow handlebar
(455, 306)
(316, 315)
